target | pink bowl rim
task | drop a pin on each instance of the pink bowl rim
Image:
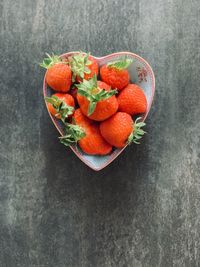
(149, 70)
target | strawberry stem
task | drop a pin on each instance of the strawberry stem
(79, 65)
(91, 107)
(61, 107)
(73, 133)
(50, 60)
(137, 133)
(120, 64)
(90, 90)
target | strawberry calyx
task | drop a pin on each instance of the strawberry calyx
(120, 64)
(79, 65)
(73, 133)
(61, 107)
(94, 94)
(50, 60)
(137, 133)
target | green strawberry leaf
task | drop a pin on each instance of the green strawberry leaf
(78, 64)
(120, 64)
(90, 90)
(73, 133)
(51, 100)
(50, 60)
(137, 133)
(92, 107)
(61, 107)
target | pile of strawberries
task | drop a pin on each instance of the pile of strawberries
(97, 113)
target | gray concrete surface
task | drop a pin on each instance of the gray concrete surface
(144, 209)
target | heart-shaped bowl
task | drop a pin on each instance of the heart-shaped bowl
(140, 73)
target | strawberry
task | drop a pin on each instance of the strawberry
(120, 130)
(116, 74)
(58, 75)
(132, 100)
(60, 105)
(73, 92)
(96, 99)
(83, 66)
(87, 134)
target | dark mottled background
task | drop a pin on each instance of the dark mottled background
(144, 209)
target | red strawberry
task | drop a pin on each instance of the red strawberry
(96, 99)
(60, 105)
(73, 92)
(132, 100)
(58, 75)
(120, 130)
(87, 134)
(83, 66)
(116, 74)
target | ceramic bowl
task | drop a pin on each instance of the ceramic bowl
(140, 73)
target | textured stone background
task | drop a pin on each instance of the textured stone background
(144, 209)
